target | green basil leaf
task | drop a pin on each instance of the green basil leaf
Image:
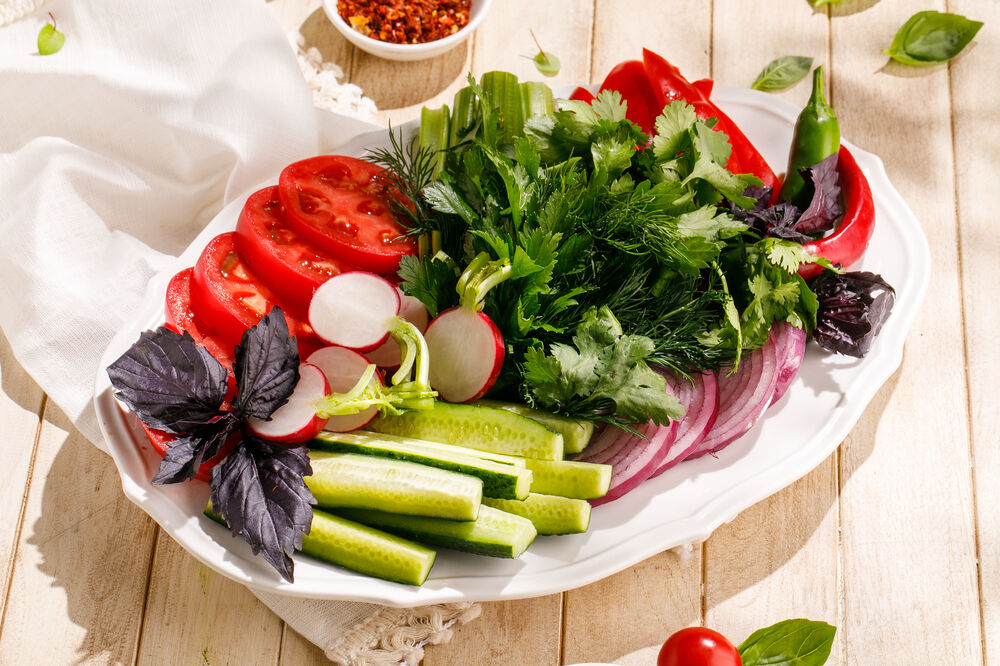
(789, 643)
(931, 37)
(547, 63)
(782, 73)
(820, 3)
(50, 40)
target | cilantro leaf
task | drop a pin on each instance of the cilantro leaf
(672, 127)
(430, 280)
(170, 382)
(266, 367)
(259, 491)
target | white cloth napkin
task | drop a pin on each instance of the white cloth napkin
(114, 153)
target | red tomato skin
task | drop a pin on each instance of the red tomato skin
(180, 317)
(698, 646)
(290, 266)
(340, 205)
(227, 298)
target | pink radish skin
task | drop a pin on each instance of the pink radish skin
(296, 421)
(354, 310)
(700, 398)
(743, 397)
(343, 368)
(791, 341)
(466, 354)
(388, 355)
(633, 459)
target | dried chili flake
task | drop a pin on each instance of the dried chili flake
(405, 21)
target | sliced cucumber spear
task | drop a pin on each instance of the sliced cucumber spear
(501, 480)
(367, 482)
(476, 427)
(548, 513)
(569, 478)
(495, 533)
(363, 549)
(576, 433)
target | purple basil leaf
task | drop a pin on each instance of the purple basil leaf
(778, 220)
(824, 208)
(852, 308)
(266, 367)
(258, 490)
(186, 454)
(170, 382)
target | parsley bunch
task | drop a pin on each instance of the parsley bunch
(175, 385)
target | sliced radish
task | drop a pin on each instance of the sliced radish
(296, 420)
(343, 368)
(743, 397)
(413, 311)
(790, 343)
(466, 354)
(354, 310)
(633, 459)
(700, 399)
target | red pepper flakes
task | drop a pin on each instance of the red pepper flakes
(405, 21)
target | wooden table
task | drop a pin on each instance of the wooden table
(895, 538)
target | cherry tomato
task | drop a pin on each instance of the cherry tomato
(698, 646)
(340, 205)
(227, 299)
(161, 441)
(276, 252)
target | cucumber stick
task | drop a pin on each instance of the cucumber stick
(548, 513)
(495, 533)
(476, 427)
(363, 549)
(397, 486)
(499, 480)
(576, 433)
(569, 478)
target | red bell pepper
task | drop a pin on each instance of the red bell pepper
(629, 79)
(582, 95)
(668, 86)
(850, 239)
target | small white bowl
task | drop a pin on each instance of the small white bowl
(391, 51)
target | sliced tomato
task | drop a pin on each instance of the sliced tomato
(161, 441)
(180, 317)
(340, 205)
(290, 266)
(227, 299)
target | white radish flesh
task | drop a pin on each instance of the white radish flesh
(354, 310)
(388, 354)
(343, 368)
(296, 421)
(466, 354)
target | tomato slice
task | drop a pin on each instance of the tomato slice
(227, 298)
(180, 317)
(339, 204)
(291, 267)
(161, 441)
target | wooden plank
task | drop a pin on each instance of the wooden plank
(778, 559)
(20, 413)
(194, 615)
(977, 135)
(906, 502)
(297, 651)
(632, 609)
(83, 558)
(507, 632)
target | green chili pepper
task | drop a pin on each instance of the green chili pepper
(817, 136)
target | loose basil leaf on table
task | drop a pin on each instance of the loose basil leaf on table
(797, 642)
(820, 3)
(782, 73)
(931, 37)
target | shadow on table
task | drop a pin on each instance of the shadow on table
(85, 552)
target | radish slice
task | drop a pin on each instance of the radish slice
(633, 459)
(413, 311)
(743, 397)
(296, 421)
(700, 398)
(353, 310)
(466, 354)
(343, 368)
(791, 348)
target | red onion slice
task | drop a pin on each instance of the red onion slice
(634, 459)
(743, 397)
(700, 398)
(791, 345)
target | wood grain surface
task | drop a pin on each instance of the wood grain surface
(894, 538)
